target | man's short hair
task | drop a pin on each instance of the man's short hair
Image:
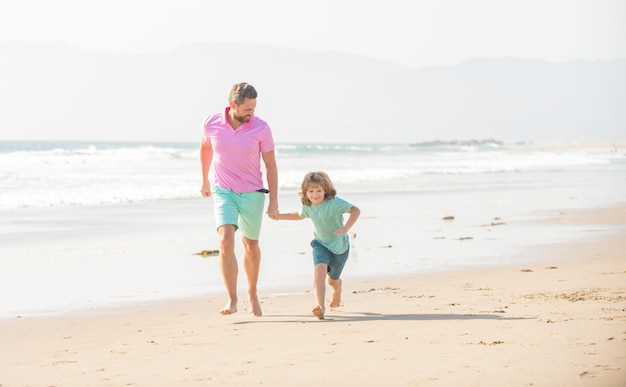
(240, 92)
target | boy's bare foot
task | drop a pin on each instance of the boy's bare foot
(255, 307)
(335, 301)
(318, 312)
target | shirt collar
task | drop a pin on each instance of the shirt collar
(225, 119)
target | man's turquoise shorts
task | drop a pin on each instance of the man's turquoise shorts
(244, 210)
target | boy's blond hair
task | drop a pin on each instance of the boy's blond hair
(317, 179)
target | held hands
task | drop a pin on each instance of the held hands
(272, 211)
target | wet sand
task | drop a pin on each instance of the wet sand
(559, 319)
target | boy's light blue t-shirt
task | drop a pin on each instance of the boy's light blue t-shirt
(327, 218)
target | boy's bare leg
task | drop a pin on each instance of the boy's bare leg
(336, 298)
(228, 267)
(319, 289)
(318, 312)
(252, 265)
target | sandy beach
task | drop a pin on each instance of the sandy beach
(557, 320)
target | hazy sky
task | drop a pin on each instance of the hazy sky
(411, 32)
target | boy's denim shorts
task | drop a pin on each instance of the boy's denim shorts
(335, 262)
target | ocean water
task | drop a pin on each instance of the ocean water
(52, 174)
(89, 224)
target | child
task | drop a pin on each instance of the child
(330, 243)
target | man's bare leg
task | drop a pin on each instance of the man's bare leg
(319, 289)
(336, 298)
(252, 265)
(228, 267)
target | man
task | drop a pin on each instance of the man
(235, 141)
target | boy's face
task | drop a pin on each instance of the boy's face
(315, 194)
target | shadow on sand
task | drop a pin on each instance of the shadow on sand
(354, 317)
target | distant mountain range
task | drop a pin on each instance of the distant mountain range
(57, 92)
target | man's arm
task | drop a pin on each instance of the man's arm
(206, 157)
(271, 170)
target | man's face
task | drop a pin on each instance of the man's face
(243, 112)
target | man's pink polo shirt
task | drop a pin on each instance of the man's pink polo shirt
(237, 153)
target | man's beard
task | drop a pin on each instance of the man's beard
(242, 119)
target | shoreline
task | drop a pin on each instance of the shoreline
(609, 216)
(556, 320)
(118, 255)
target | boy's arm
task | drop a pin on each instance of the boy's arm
(289, 216)
(354, 215)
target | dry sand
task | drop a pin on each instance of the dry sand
(560, 321)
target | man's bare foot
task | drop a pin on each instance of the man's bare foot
(228, 309)
(318, 312)
(335, 301)
(255, 307)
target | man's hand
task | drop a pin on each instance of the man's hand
(272, 211)
(206, 190)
